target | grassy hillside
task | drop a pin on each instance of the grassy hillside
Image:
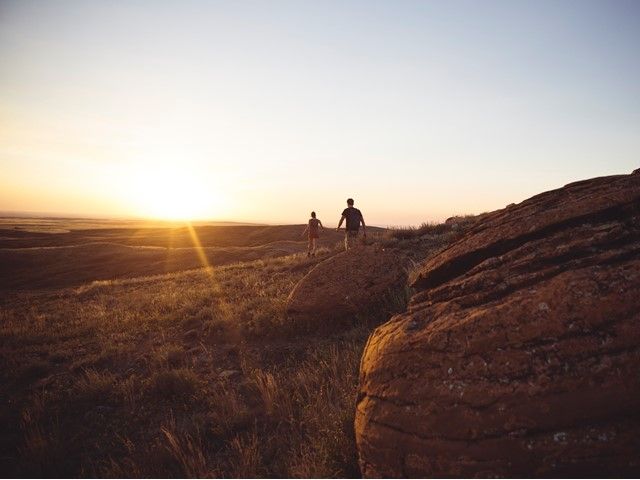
(63, 233)
(37, 259)
(191, 373)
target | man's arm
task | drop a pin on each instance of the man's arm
(305, 230)
(320, 223)
(364, 227)
(340, 223)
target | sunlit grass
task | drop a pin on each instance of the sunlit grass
(196, 373)
(123, 372)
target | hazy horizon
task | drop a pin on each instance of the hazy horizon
(331, 222)
(261, 112)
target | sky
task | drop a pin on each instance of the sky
(263, 111)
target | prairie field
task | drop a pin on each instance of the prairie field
(165, 351)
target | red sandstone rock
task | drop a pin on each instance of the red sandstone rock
(520, 352)
(346, 288)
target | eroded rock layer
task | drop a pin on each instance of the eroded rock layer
(520, 352)
(347, 288)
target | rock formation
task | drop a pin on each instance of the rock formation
(519, 354)
(347, 287)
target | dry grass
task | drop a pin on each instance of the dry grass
(189, 374)
(440, 231)
(136, 375)
(31, 260)
(173, 383)
(187, 452)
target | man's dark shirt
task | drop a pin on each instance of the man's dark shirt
(353, 216)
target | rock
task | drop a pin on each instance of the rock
(345, 287)
(519, 354)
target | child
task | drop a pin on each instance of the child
(312, 228)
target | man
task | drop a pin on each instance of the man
(354, 217)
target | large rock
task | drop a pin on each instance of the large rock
(519, 355)
(346, 288)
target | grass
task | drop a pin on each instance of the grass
(131, 372)
(443, 232)
(190, 374)
(32, 260)
(173, 383)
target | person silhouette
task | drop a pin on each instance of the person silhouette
(313, 233)
(354, 218)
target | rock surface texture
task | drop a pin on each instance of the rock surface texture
(349, 285)
(519, 354)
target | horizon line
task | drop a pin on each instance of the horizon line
(131, 218)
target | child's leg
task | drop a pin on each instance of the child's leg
(313, 250)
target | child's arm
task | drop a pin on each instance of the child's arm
(320, 223)
(305, 231)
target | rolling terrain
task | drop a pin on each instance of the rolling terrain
(122, 356)
(64, 252)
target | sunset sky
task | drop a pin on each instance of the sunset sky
(262, 111)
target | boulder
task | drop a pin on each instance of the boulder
(519, 355)
(354, 285)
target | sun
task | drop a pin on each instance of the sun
(173, 192)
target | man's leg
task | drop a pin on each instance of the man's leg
(313, 247)
(350, 239)
(310, 246)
